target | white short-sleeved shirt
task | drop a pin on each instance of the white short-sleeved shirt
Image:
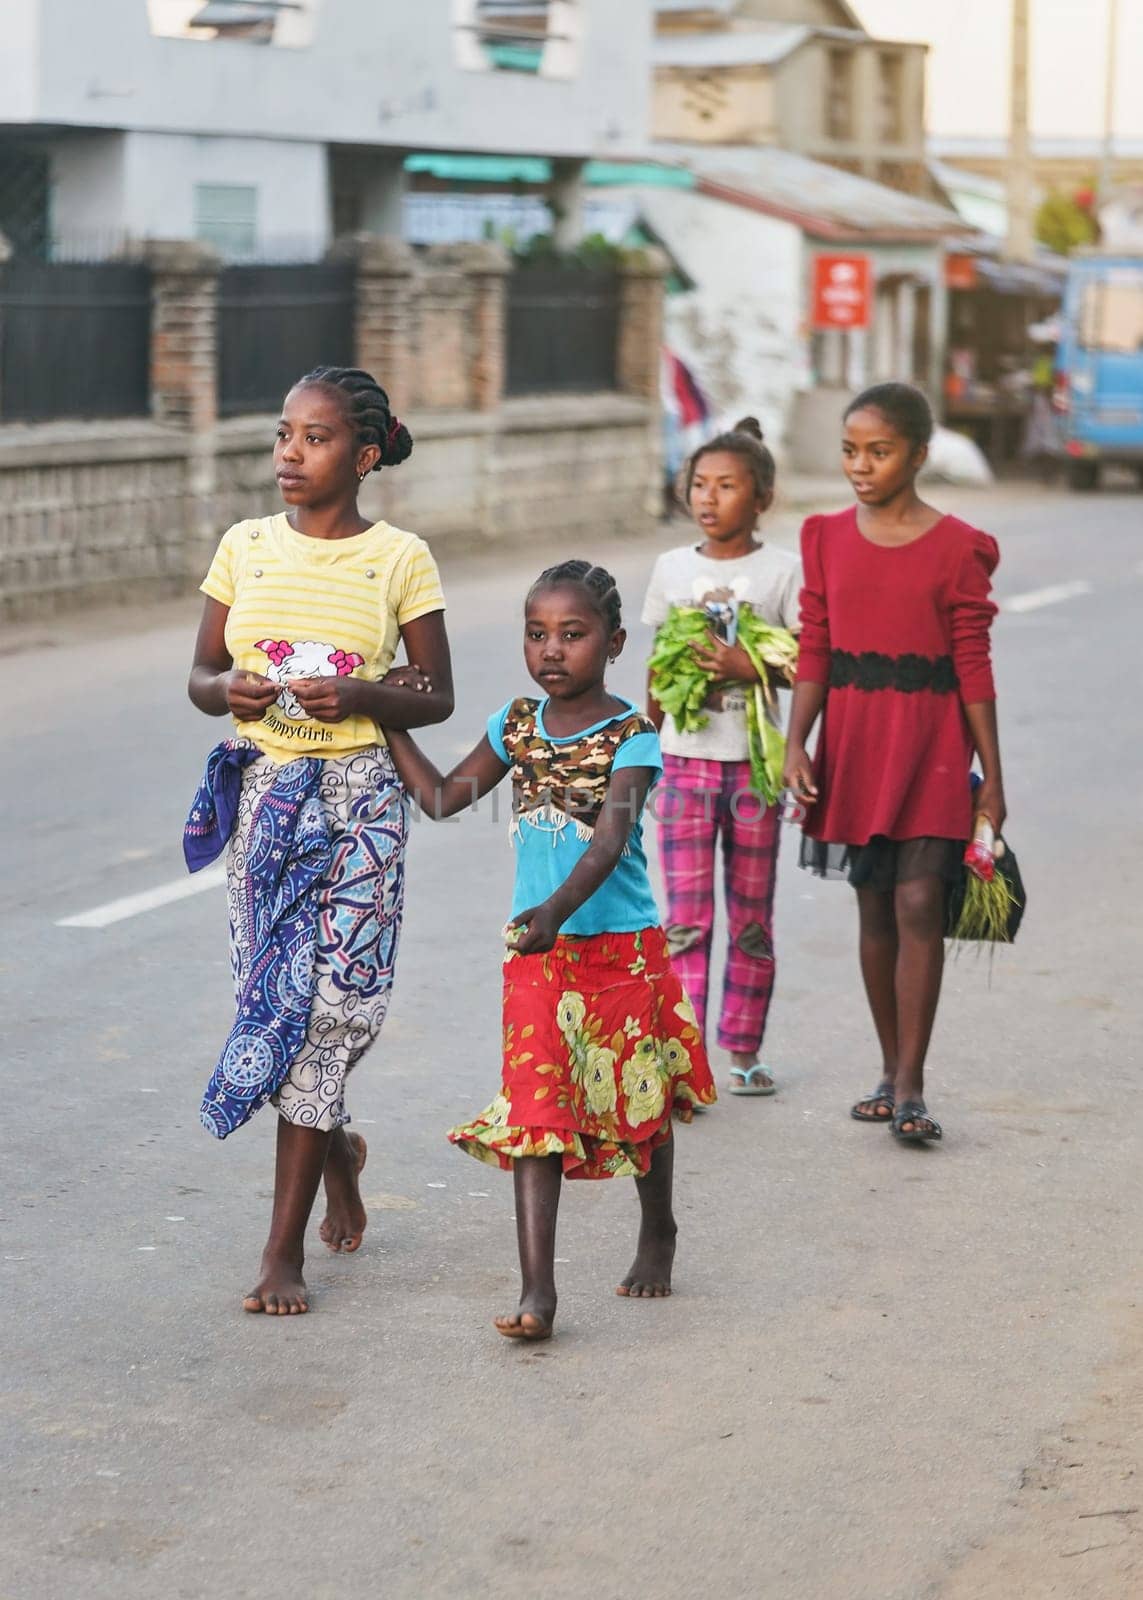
(770, 580)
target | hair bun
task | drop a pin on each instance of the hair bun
(398, 446)
(749, 425)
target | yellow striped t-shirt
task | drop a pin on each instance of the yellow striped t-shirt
(307, 608)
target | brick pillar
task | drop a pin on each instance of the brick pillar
(184, 333)
(385, 337)
(486, 267)
(641, 276)
(640, 343)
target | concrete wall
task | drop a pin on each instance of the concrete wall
(375, 74)
(112, 511)
(740, 329)
(110, 186)
(904, 276)
(88, 191)
(734, 105)
(292, 183)
(96, 513)
(19, 60)
(802, 92)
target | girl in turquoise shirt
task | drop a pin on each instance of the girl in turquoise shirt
(600, 1042)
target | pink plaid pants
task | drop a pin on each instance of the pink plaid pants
(700, 801)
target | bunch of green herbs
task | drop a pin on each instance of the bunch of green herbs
(682, 685)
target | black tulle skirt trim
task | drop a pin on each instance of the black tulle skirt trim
(883, 863)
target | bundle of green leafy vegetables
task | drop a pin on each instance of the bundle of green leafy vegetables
(682, 685)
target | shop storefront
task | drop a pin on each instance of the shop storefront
(991, 354)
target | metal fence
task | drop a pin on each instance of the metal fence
(277, 322)
(563, 327)
(74, 340)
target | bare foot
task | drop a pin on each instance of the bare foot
(650, 1275)
(532, 1319)
(343, 1226)
(281, 1290)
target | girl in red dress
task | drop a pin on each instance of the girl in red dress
(895, 659)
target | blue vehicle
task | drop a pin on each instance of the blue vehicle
(1098, 393)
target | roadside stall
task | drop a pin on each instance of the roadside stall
(994, 306)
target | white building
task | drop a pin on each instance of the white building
(750, 230)
(267, 126)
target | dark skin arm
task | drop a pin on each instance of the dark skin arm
(989, 798)
(728, 662)
(436, 794)
(217, 688)
(797, 774)
(655, 712)
(625, 796)
(981, 717)
(440, 795)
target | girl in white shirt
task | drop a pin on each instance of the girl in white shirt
(706, 779)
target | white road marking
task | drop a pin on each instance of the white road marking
(1052, 595)
(133, 905)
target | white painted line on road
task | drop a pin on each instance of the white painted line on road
(133, 905)
(1052, 595)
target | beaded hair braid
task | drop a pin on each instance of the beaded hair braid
(598, 582)
(367, 407)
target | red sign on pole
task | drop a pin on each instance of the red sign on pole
(841, 293)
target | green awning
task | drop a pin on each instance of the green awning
(453, 167)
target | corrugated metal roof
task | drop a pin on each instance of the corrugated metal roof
(824, 200)
(725, 8)
(759, 47)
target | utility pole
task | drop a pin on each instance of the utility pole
(1020, 245)
(1107, 162)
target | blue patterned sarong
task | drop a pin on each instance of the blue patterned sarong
(288, 856)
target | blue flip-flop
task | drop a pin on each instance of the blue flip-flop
(747, 1080)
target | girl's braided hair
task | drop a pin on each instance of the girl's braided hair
(745, 441)
(903, 407)
(367, 407)
(598, 582)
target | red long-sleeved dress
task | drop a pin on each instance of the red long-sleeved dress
(900, 635)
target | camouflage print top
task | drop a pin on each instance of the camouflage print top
(556, 781)
(558, 790)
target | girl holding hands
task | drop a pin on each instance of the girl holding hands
(599, 1040)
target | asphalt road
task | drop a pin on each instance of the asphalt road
(867, 1345)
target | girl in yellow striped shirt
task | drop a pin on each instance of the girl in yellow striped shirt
(303, 615)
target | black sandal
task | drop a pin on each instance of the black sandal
(866, 1109)
(925, 1129)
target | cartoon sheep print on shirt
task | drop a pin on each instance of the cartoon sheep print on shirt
(307, 658)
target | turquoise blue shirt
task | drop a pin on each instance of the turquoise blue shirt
(558, 787)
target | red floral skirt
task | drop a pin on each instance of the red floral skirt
(600, 1046)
